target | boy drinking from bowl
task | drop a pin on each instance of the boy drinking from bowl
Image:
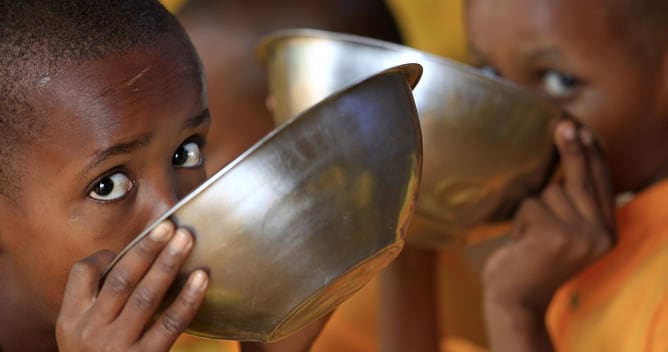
(580, 275)
(103, 118)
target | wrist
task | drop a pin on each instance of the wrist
(271, 347)
(515, 326)
(513, 312)
(535, 304)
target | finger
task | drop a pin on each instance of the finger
(556, 200)
(146, 298)
(577, 180)
(124, 276)
(531, 211)
(82, 283)
(600, 179)
(177, 317)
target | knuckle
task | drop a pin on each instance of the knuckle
(82, 268)
(91, 340)
(168, 266)
(559, 242)
(108, 347)
(580, 249)
(119, 280)
(589, 246)
(189, 300)
(527, 208)
(603, 245)
(552, 191)
(144, 298)
(172, 324)
(585, 186)
(147, 248)
(63, 329)
(88, 334)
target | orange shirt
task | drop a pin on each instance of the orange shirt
(621, 302)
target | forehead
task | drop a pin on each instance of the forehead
(529, 23)
(115, 92)
(89, 107)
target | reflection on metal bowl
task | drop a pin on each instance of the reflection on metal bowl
(487, 142)
(308, 215)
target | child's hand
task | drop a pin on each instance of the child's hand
(120, 316)
(554, 237)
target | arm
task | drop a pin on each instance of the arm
(302, 341)
(554, 237)
(408, 310)
(515, 328)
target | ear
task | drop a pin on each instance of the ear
(10, 211)
(661, 99)
(4, 212)
(5, 225)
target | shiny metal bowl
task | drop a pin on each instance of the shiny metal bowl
(307, 216)
(487, 143)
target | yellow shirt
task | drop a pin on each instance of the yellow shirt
(173, 5)
(621, 302)
(435, 26)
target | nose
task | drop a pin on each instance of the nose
(161, 195)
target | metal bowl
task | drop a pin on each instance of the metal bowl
(487, 143)
(308, 215)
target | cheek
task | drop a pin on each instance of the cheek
(613, 106)
(47, 244)
(188, 180)
(622, 117)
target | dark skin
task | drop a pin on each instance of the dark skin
(554, 237)
(408, 316)
(93, 107)
(573, 51)
(123, 145)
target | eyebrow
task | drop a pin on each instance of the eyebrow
(143, 140)
(117, 149)
(544, 54)
(197, 120)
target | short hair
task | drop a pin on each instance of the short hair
(645, 23)
(652, 16)
(37, 36)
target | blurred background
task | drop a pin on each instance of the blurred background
(225, 33)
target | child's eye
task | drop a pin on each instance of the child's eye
(112, 187)
(489, 71)
(188, 155)
(559, 84)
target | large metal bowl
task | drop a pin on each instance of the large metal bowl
(487, 143)
(308, 215)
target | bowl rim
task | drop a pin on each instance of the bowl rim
(266, 44)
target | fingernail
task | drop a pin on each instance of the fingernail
(198, 280)
(567, 130)
(586, 137)
(180, 243)
(161, 232)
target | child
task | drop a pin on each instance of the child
(102, 119)
(575, 276)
